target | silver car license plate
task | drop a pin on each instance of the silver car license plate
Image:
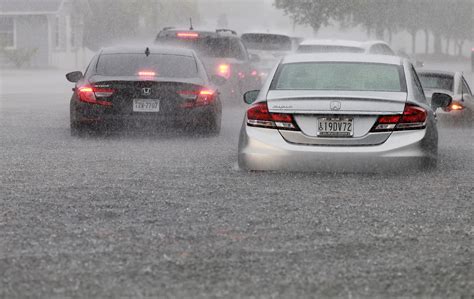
(335, 127)
(146, 105)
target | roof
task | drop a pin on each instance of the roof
(341, 43)
(338, 57)
(28, 7)
(172, 32)
(153, 50)
(265, 33)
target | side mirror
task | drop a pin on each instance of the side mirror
(254, 58)
(440, 100)
(74, 77)
(251, 96)
(218, 80)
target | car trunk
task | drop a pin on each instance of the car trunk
(168, 95)
(353, 114)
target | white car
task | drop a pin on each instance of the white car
(345, 46)
(454, 84)
(340, 112)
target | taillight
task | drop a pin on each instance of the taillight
(187, 34)
(259, 116)
(205, 97)
(147, 74)
(455, 106)
(197, 98)
(224, 71)
(413, 117)
(95, 95)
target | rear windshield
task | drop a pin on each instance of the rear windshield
(218, 47)
(328, 49)
(435, 81)
(163, 65)
(340, 76)
(267, 42)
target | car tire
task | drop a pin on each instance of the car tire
(212, 127)
(78, 129)
(429, 164)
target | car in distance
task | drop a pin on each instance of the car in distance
(345, 46)
(222, 53)
(340, 112)
(157, 86)
(269, 48)
(454, 84)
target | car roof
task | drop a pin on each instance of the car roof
(341, 43)
(265, 33)
(153, 50)
(435, 72)
(338, 57)
(171, 32)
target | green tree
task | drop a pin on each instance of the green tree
(121, 20)
(315, 13)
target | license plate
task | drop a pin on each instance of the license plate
(335, 127)
(146, 105)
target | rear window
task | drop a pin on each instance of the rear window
(267, 42)
(328, 49)
(218, 47)
(163, 65)
(435, 81)
(340, 76)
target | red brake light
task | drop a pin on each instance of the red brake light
(187, 34)
(197, 98)
(259, 116)
(205, 97)
(147, 74)
(413, 117)
(89, 94)
(224, 71)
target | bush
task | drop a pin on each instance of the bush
(20, 57)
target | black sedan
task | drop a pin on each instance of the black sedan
(155, 87)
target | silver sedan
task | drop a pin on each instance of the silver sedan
(340, 112)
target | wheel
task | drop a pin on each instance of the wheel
(78, 130)
(429, 164)
(212, 126)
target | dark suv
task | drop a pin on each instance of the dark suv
(222, 53)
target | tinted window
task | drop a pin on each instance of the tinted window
(222, 47)
(328, 49)
(437, 81)
(167, 66)
(267, 42)
(340, 76)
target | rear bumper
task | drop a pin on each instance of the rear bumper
(265, 149)
(88, 113)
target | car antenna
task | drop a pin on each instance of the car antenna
(191, 24)
(147, 51)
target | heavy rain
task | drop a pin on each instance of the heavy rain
(236, 148)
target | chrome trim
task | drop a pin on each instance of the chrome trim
(369, 139)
